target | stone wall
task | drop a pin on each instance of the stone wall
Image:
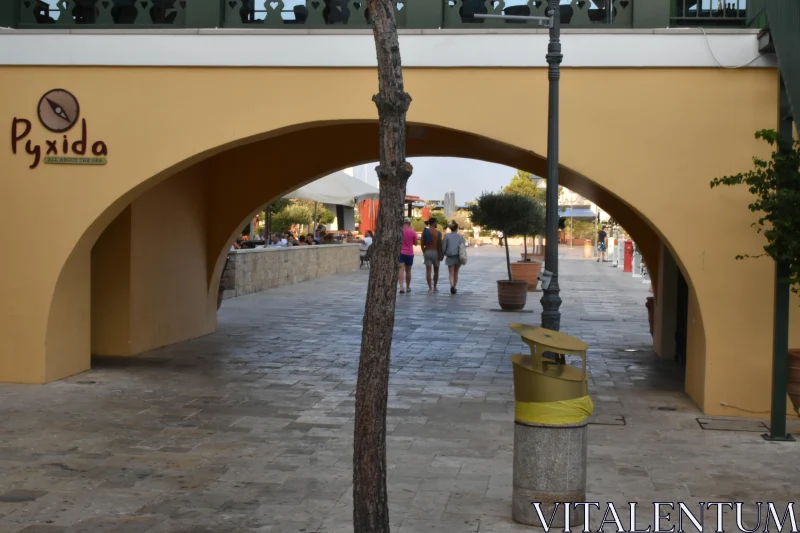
(261, 269)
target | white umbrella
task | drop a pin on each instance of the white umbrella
(338, 189)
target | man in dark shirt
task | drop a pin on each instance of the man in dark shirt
(602, 241)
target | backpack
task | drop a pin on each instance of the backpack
(462, 252)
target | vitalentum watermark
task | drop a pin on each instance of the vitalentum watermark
(671, 517)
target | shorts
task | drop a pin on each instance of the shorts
(601, 247)
(453, 261)
(407, 260)
(431, 258)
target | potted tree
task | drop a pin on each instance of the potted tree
(531, 266)
(776, 186)
(526, 184)
(512, 214)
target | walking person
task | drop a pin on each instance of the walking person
(432, 253)
(602, 243)
(450, 249)
(406, 256)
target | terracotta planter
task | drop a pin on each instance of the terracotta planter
(651, 310)
(794, 378)
(512, 295)
(532, 257)
(528, 271)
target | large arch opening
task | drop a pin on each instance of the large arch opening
(157, 264)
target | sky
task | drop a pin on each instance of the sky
(434, 176)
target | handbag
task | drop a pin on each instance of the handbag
(462, 252)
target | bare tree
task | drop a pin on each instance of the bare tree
(370, 502)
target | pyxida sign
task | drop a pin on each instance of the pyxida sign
(58, 112)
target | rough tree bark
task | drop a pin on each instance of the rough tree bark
(370, 503)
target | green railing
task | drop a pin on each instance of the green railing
(102, 13)
(287, 14)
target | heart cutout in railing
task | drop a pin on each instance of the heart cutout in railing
(233, 3)
(357, 5)
(581, 4)
(624, 4)
(274, 5)
(182, 3)
(144, 4)
(315, 5)
(26, 3)
(105, 4)
(451, 3)
(537, 3)
(400, 6)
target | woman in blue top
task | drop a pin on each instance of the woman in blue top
(450, 250)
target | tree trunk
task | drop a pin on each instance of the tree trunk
(370, 502)
(508, 257)
(525, 244)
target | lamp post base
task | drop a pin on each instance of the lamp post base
(769, 438)
(551, 302)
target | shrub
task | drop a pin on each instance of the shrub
(513, 214)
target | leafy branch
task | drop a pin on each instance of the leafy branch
(775, 183)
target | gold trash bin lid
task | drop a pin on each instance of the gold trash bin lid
(546, 381)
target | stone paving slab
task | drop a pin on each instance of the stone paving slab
(251, 429)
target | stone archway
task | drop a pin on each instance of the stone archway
(234, 184)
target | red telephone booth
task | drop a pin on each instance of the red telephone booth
(628, 266)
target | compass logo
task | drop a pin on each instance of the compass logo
(58, 110)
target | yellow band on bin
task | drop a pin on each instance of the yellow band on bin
(555, 413)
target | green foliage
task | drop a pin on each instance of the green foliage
(524, 184)
(583, 229)
(462, 219)
(440, 219)
(534, 223)
(292, 214)
(323, 215)
(279, 205)
(776, 185)
(513, 214)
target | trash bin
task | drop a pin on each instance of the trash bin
(552, 407)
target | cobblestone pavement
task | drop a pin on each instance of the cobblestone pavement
(250, 429)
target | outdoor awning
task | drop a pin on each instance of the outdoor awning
(338, 189)
(577, 212)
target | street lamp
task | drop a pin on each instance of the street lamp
(551, 301)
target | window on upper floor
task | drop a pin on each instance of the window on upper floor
(709, 13)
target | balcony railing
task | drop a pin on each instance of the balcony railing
(710, 13)
(102, 13)
(289, 14)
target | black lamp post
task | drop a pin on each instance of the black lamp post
(551, 301)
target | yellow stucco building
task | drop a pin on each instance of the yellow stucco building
(170, 140)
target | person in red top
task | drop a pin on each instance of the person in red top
(406, 256)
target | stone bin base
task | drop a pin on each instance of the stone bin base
(549, 467)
